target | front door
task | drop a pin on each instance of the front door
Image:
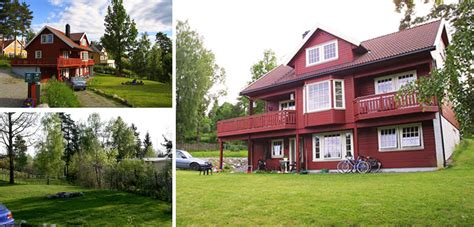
(292, 150)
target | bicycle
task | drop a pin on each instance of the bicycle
(349, 165)
(375, 164)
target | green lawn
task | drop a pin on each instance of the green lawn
(97, 207)
(152, 94)
(215, 154)
(433, 198)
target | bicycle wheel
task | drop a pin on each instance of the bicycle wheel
(363, 167)
(375, 168)
(344, 166)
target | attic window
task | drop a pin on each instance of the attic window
(321, 53)
(46, 38)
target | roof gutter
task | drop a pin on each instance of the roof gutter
(338, 70)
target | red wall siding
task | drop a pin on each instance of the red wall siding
(50, 52)
(368, 146)
(344, 51)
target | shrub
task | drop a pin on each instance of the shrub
(128, 73)
(59, 94)
(104, 69)
(4, 63)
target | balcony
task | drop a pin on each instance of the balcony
(60, 62)
(278, 120)
(383, 105)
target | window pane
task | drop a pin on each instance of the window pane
(317, 147)
(313, 55)
(388, 138)
(405, 79)
(330, 51)
(338, 94)
(348, 145)
(411, 137)
(385, 85)
(277, 148)
(318, 96)
(332, 146)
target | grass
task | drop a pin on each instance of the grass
(215, 154)
(152, 94)
(5, 63)
(443, 197)
(97, 207)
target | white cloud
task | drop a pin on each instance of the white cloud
(88, 15)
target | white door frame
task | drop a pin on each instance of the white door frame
(291, 149)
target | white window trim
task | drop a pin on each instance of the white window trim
(282, 148)
(40, 54)
(321, 53)
(398, 132)
(394, 77)
(329, 97)
(334, 95)
(342, 137)
(286, 101)
(47, 35)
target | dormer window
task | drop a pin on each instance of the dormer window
(84, 42)
(46, 38)
(321, 53)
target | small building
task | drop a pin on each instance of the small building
(336, 97)
(100, 55)
(8, 48)
(56, 54)
(159, 163)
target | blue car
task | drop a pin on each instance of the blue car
(78, 83)
(6, 216)
(185, 160)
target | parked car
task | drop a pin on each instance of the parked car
(6, 216)
(185, 160)
(78, 83)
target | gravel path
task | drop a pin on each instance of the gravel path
(13, 90)
(90, 99)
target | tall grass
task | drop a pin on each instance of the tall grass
(59, 94)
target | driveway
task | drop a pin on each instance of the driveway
(90, 99)
(13, 90)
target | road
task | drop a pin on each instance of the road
(90, 99)
(13, 90)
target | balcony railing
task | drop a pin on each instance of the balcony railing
(285, 119)
(60, 62)
(387, 104)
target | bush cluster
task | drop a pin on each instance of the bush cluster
(59, 94)
(104, 69)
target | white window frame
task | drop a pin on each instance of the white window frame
(394, 77)
(45, 41)
(40, 54)
(282, 153)
(334, 94)
(286, 101)
(342, 137)
(321, 53)
(398, 132)
(307, 93)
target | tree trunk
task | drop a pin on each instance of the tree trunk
(10, 148)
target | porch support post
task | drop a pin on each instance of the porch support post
(356, 142)
(250, 155)
(221, 154)
(250, 106)
(297, 151)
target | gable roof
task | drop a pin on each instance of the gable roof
(96, 47)
(8, 42)
(408, 41)
(69, 41)
(77, 36)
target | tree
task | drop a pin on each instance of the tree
(155, 65)
(196, 73)
(71, 138)
(139, 152)
(50, 151)
(147, 144)
(20, 149)
(454, 83)
(165, 45)
(120, 33)
(140, 55)
(168, 144)
(11, 125)
(262, 67)
(122, 139)
(26, 16)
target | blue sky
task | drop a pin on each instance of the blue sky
(151, 16)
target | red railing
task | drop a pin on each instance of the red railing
(385, 102)
(259, 122)
(60, 62)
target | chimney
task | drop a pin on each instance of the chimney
(68, 31)
(305, 33)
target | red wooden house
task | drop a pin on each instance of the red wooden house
(336, 96)
(56, 54)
